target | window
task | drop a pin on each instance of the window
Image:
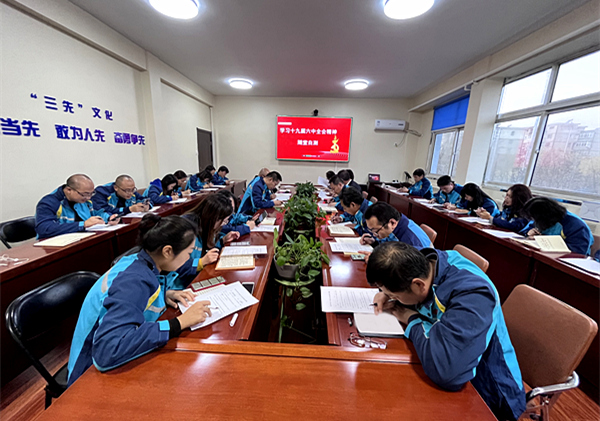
(547, 131)
(444, 151)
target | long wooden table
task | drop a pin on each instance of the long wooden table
(175, 385)
(511, 264)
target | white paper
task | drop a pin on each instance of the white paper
(420, 200)
(230, 299)
(64, 239)
(242, 262)
(347, 300)
(209, 189)
(383, 324)
(218, 186)
(243, 250)
(180, 200)
(340, 230)
(265, 228)
(323, 195)
(105, 227)
(283, 196)
(141, 214)
(269, 221)
(476, 220)
(348, 240)
(348, 247)
(323, 181)
(590, 211)
(502, 234)
(551, 243)
(589, 265)
(327, 208)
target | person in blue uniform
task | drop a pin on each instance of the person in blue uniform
(199, 181)
(329, 174)
(336, 185)
(385, 224)
(118, 321)
(551, 218)
(208, 217)
(449, 191)
(510, 218)
(347, 177)
(69, 209)
(237, 222)
(451, 312)
(422, 186)
(220, 178)
(211, 168)
(182, 181)
(473, 198)
(355, 206)
(120, 197)
(162, 191)
(258, 195)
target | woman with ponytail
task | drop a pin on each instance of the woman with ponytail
(118, 321)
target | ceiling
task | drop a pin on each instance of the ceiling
(308, 48)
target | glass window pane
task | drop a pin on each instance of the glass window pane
(510, 153)
(457, 151)
(442, 153)
(524, 93)
(569, 157)
(578, 77)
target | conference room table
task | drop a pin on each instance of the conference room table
(94, 253)
(511, 263)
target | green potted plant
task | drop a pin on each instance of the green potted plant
(301, 214)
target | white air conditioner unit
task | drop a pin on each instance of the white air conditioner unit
(394, 125)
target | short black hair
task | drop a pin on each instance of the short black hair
(351, 173)
(544, 211)
(156, 232)
(210, 168)
(395, 264)
(329, 174)
(180, 174)
(230, 195)
(444, 180)
(420, 172)
(223, 168)
(383, 212)
(274, 175)
(344, 175)
(166, 181)
(335, 180)
(205, 175)
(350, 195)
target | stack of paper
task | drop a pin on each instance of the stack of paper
(476, 220)
(327, 208)
(210, 189)
(323, 195)
(551, 243)
(283, 196)
(269, 221)
(64, 240)
(141, 214)
(383, 324)
(235, 262)
(243, 250)
(502, 234)
(589, 265)
(265, 228)
(338, 247)
(105, 227)
(421, 200)
(228, 300)
(180, 200)
(347, 300)
(219, 186)
(323, 181)
(341, 230)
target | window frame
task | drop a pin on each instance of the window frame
(543, 111)
(454, 129)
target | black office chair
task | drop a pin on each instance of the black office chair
(37, 312)
(17, 230)
(131, 251)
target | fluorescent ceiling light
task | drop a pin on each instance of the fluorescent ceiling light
(406, 9)
(356, 84)
(240, 83)
(178, 9)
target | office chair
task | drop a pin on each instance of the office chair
(431, 233)
(37, 312)
(17, 230)
(550, 339)
(466, 252)
(131, 251)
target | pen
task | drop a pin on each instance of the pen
(233, 319)
(213, 307)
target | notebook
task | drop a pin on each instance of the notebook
(269, 221)
(64, 240)
(243, 250)
(384, 325)
(235, 263)
(341, 230)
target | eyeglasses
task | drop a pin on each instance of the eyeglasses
(127, 191)
(6, 260)
(84, 195)
(380, 228)
(366, 342)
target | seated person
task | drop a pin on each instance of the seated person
(220, 179)
(355, 206)
(387, 224)
(551, 218)
(120, 197)
(162, 191)
(182, 180)
(329, 174)
(199, 181)
(347, 177)
(473, 198)
(510, 218)
(238, 222)
(259, 195)
(208, 217)
(336, 185)
(422, 186)
(453, 317)
(449, 191)
(119, 317)
(211, 168)
(69, 209)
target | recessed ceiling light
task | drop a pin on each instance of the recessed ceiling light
(240, 83)
(356, 84)
(178, 9)
(406, 9)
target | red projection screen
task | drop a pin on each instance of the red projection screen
(324, 139)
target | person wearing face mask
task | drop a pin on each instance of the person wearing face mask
(510, 218)
(449, 191)
(118, 321)
(452, 314)
(259, 196)
(162, 191)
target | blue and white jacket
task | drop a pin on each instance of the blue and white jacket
(237, 222)
(576, 233)
(359, 218)
(118, 319)
(55, 216)
(407, 232)
(218, 180)
(460, 335)
(422, 188)
(488, 204)
(510, 221)
(105, 198)
(155, 193)
(453, 197)
(194, 183)
(256, 196)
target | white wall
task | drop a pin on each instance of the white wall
(245, 129)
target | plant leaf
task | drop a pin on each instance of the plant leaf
(300, 306)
